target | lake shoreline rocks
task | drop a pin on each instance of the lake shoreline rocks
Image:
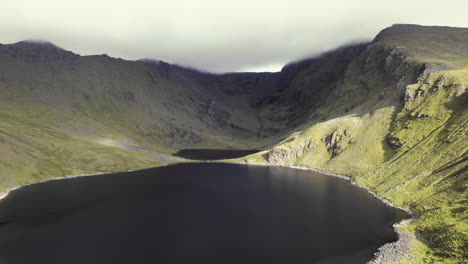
(395, 251)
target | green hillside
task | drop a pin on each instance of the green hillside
(391, 114)
(64, 114)
(398, 123)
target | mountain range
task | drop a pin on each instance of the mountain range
(392, 114)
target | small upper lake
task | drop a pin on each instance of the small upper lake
(195, 213)
(213, 154)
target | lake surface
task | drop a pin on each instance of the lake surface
(195, 213)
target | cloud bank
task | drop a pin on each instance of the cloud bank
(215, 35)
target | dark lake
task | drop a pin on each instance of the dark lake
(195, 213)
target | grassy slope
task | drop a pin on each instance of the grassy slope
(426, 172)
(165, 102)
(63, 114)
(39, 142)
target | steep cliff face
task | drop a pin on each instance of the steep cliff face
(392, 114)
(397, 123)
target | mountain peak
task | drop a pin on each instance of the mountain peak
(38, 43)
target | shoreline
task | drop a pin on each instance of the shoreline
(389, 252)
(351, 180)
(5, 193)
(393, 251)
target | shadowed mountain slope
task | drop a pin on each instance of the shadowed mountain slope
(63, 113)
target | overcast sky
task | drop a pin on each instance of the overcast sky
(216, 35)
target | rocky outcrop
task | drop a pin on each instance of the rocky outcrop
(394, 141)
(337, 141)
(286, 153)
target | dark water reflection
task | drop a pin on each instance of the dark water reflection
(194, 213)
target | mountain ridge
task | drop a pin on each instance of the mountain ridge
(391, 114)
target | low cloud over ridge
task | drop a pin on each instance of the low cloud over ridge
(215, 35)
